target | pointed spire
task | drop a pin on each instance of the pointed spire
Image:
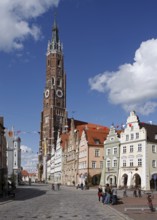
(54, 45)
(55, 35)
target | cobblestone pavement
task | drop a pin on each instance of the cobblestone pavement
(137, 208)
(40, 202)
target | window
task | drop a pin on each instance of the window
(131, 149)
(124, 163)
(53, 81)
(124, 149)
(153, 163)
(132, 136)
(127, 137)
(153, 148)
(155, 136)
(96, 141)
(97, 153)
(108, 151)
(115, 150)
(108, 163)
(131, 163)
(114, 163)
(139, 147)
(93, 164)
(139, 162)
(101, 164)
(137, 135)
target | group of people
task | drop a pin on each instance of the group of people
(109, 196)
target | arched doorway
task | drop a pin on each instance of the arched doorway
(112, 180)
(124, 179)
(153, 181)
(136, 180)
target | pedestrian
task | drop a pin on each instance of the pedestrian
(108, 194)
(135, 193)
(139, 192)
(53, 186)
(124, 192)
(82, 186)
(114, 196)
(99, 193)
(150, 204)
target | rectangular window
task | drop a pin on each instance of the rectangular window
(93, 164)
(101, 164)
(108, 163)
(127, 137)
(153, 163)
(137, 135)
(132, 136)
(124, 163)
(97, 153)
(115, 150)
(124, 150)
(139, 162)
(108, 151)
(131, 163)
(139, 147)
(153, 148)
(131, 149)
(114, 163)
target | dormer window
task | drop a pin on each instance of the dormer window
(96, 141)
(155, 137)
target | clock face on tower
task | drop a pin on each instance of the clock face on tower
(47, 92)
(59, 93)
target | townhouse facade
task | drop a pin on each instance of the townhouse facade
(78, 157)
(136, 158)
(111, 158)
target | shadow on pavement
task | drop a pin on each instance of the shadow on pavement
(24, 193)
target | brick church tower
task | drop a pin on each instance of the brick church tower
(54, 115)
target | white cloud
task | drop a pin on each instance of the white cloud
(16, 21)
(29, 159)
(133, 86)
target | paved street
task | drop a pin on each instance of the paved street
(40, 202)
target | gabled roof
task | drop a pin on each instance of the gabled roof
(96, 134)
(64, 139)
(24, 173)
(151, 131)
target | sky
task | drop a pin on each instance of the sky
(110, 59)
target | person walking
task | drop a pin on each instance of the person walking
(99, 193)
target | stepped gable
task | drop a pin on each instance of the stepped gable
(64, 139)
(151, 131)
(96, 134)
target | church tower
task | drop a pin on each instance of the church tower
(54, 115)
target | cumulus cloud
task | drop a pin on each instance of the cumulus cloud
(133, 86)
(16, 21)
(29, 159)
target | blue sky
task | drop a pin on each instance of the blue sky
(110, 53)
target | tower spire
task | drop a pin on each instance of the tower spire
(54, 45)
(55, 32)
